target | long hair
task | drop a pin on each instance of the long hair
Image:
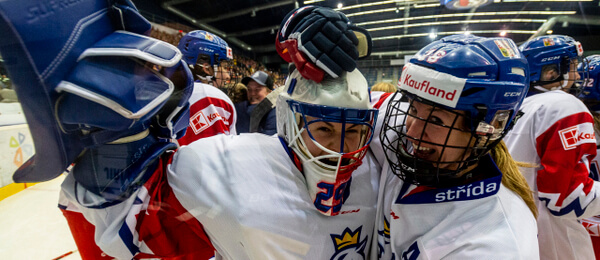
(512, 177)
(596, 117)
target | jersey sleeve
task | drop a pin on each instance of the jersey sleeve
(565, 150)
(150, 224)
(211, 113)
(379, 101)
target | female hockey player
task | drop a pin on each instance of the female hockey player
(101, 105)
(590, 96)
(306, 193)
(555, 137)
(451, 188)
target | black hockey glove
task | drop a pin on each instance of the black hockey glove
(320, 40)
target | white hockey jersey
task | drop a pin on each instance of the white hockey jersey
(592, 224)
(481, 220)
(556, 136)
(211, 113)
(252, 200)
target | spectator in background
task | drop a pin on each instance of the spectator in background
(238, 93)
(384, 87)
(259, 85)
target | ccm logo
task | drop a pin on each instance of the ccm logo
(550, 58)
(512, 94)
(576, 135)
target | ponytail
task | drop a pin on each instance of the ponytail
(512, 177)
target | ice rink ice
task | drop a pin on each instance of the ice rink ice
(32, 226)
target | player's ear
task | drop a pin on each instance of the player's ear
(207, 69)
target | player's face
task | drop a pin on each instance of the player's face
(553, 74)
(256, 92)
(222, 77)
(329, 135)
(573, 75)
(434, 139)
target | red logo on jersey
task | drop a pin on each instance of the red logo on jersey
(198, 122)
(576, 135)
(214, 116)
(350, 211)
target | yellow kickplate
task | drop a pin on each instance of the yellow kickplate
(12, 189)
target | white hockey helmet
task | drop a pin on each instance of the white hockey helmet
(320, 116)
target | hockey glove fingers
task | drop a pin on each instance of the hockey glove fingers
(324, 36)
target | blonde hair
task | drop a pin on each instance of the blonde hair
(238, 93)
(596, 117)
(384, 87)
(512, 177)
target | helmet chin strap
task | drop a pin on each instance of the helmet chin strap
(565, 80)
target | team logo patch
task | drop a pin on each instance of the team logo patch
(548, 42)
(573, 136)
(383, 235)
(435, 86)
(208, 36)
(507, 49)
(348, 245)
(579, 48)
(229, 53)
(198, 122)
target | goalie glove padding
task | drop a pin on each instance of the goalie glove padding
(125, 16)
(324, 37)
(82, 84)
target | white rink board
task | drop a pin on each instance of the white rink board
(17, 147)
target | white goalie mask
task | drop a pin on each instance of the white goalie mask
(329, 126)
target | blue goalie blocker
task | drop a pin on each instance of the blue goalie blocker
(95, 90)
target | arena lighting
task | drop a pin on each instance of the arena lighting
(467, 14)
(340, 5)
(458, 22)
(366, 5)
(503, 33)
(549, 32)
(514, 1)
(433, 5)
(464, 4)
(312, 1)
(432, 35)
(448, 33)
(396, 9)
(467, 32)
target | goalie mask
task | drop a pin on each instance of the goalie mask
(463, 94)
(200, 48)
(85, 76)
(329, 126)
(553, 61)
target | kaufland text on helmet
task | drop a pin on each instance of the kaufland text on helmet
(425, 87)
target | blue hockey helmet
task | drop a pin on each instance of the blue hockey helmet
(550, 58)
(478, 82)
(590, 94)
(85, 76)
(200, 44)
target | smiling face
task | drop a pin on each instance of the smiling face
(332, 136)
(256, 92)
(438, 135)
(222, 77)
